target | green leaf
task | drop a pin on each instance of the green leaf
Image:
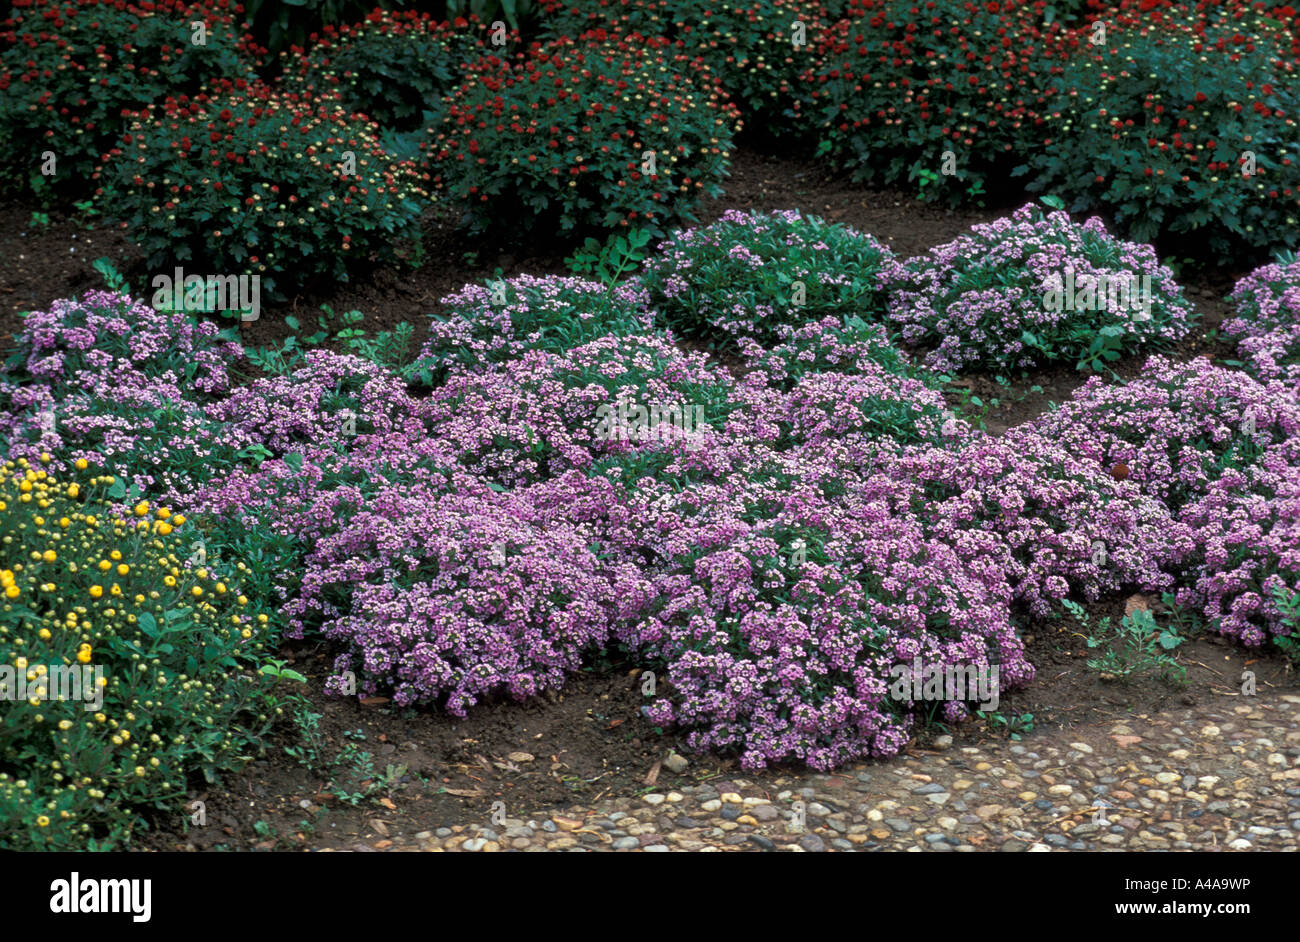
(118, 489)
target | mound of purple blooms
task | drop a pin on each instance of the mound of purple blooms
(1218, 449)
(125, 386)
(493, 323)
(777, 543)
(1267, 325)
(1033, 288)
(749, 274)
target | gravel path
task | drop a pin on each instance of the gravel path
(1225, 777)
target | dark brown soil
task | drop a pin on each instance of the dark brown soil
(430, 770)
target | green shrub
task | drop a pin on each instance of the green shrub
(577, 136)
(751, 46)
(1158, 125)
(944, 95)
(560, 19)
(250, 180)
(394, 68)
(162, 658)
(68, 68)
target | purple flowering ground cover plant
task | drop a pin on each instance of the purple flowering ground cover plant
(492, 323)
(1033, 288)
(1267, 322)
(1216, 447)
(750, 273)
(777, 539)
(780, 623)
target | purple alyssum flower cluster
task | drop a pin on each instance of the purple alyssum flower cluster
(1267, 322)
(986, 300)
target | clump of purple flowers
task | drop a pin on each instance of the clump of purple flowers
(781, 618)
(114, 381)
(330, 398)
(831, 345)
(1247, 531)
(1014, 294)
(1267, 325)
(1068, 524)
(750, 273)
(107, 335)
(444, 597)
(492, 323)
(1175, 428)
(545, 413)
(1217, 448)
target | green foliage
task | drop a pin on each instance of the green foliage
(279, 24)
(612, 260)
(517, 14)
(1014, 726)
(1134, 648)
(393, 349)
(1288, 604)
(1157, 125)
(750, 274)
(169, 686)
(394, 68)
(896, 90)
(276, 669)
(113, 279)
(351, 771)
(751, 46)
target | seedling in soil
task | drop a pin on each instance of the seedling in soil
(1135, 648)
(1014, 725)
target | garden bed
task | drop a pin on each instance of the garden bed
(472, 511)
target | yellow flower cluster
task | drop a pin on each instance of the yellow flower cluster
(108, 600)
